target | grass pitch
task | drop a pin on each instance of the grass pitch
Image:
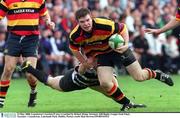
(156, 95)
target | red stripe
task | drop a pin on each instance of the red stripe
(120, 96)
(101, 32)
(79, 39)
(112, 90)
(153, 74)
(149, 71)
(4, 82)
(23, 16)
(3, 93)
(13, 1)
(177, 15)
(27, 33)
(42, 11)
(2, 13)
(73, 47)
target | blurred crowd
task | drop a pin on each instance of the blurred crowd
(154, 52)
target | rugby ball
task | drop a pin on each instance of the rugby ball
(116, 41)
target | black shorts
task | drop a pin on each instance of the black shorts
(74, 81)
(17, 45)
(66, 83)
(114, 58)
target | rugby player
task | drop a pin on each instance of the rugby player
(72, 80)
(89, 42)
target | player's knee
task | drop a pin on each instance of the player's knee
(106, 85)
(51, 81)
(30, 77)
(8, 71)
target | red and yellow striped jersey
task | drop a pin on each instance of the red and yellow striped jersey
(96, 42)
(23, 15)
(178, 12)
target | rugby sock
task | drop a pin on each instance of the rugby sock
(33, 85)
(4, 85)
(41, 76)
(118, 96)
(152, 74)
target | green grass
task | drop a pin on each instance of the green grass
(157, 96)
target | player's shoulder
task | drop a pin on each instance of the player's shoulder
(75, 33)
(103, 20)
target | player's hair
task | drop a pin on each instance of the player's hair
(82, 12)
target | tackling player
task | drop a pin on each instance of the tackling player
(72, 80)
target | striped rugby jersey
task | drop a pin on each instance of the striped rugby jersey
(23, 15)
(178, 12)
(96, 42)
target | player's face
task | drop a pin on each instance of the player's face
(86, 23)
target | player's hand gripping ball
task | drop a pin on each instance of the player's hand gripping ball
(116, 41)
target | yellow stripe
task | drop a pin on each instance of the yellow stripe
(105, 22)
(23, 22)
(45, 13)
(18, 5)
(178, 19)
(3, 3)
(96, 38)
(1, 17)
(73, 31)
(2, 95)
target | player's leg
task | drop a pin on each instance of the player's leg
(10, 64)
(99, 88)
(105, 75)
(32, 81)
(125, 106)
(12, 53)
(52, 82)
(139, 74)
(29, 46)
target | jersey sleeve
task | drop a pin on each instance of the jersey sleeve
(120, 28)
(3, 9)
(73, 46)
(178, 12)
(43, 10)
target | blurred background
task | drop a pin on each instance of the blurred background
(156, 52)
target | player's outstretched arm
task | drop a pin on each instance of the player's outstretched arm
(170, 25)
